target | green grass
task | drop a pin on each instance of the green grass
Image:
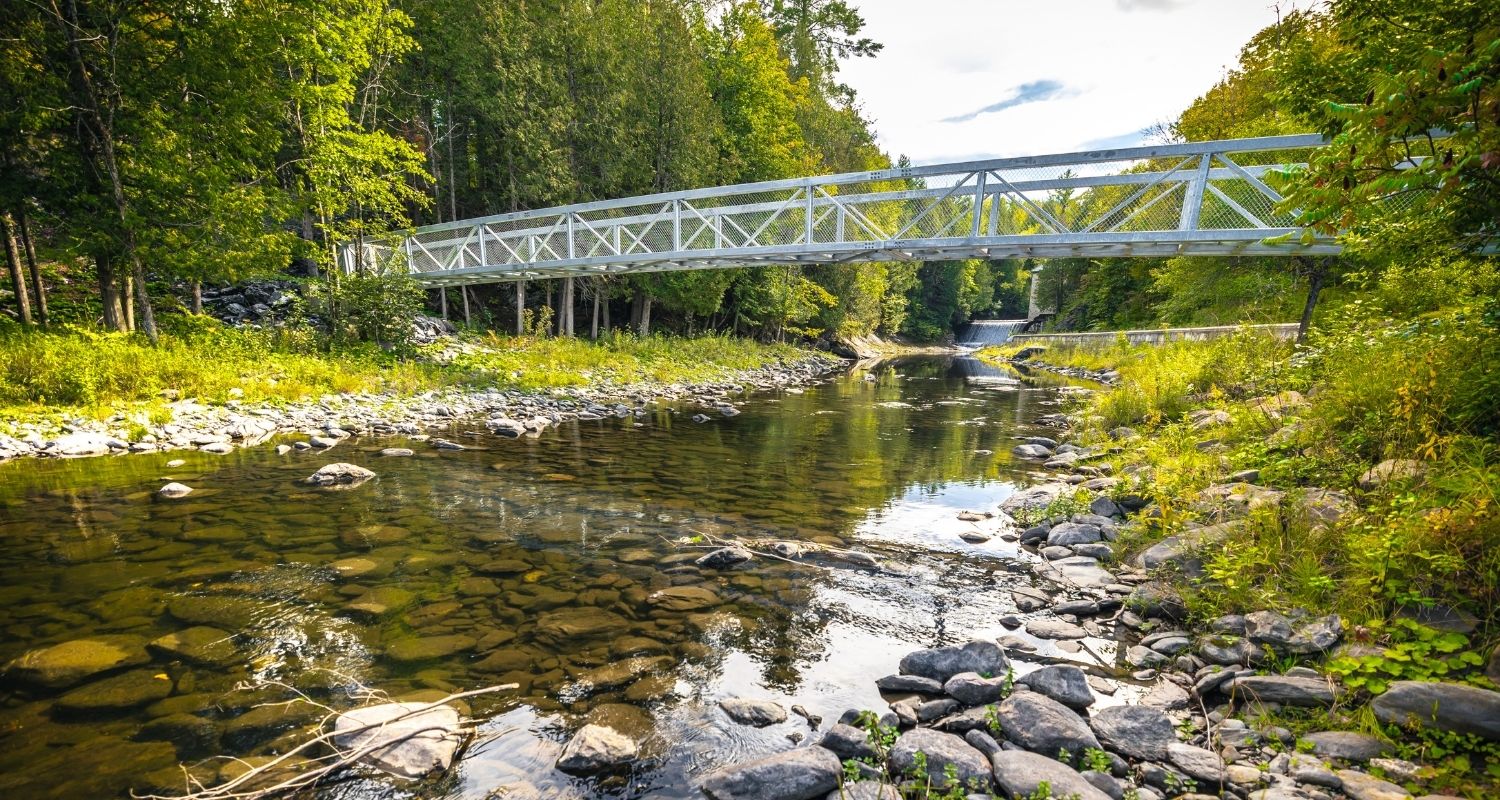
(50, 376)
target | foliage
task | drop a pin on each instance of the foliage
(366, 307)
(1412, 652)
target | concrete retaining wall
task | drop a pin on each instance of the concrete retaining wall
(1286, 330)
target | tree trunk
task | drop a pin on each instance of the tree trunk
(17, 279)
(38, 291)
(567, 307)
(464, 291)
(594, 327)
(1315, 277)
(197, 307)
(109, 294)
(645, 329)
(443, 302)
(128, 302)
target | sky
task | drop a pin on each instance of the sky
(972, 79)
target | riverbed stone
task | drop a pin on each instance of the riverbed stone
(1204, 766)
(1296, 636)
(128, 690)
(1347, 745)
(909, 683)
(594, 749)
(942, 663)
(1068, 534)
(1064, 683)
(801, 774)
(873, 789)
(1054, 628)
(1391, 469)
(753, 712)
(579, 623)
(847, 741)
(174, 490)
(725, 558)
(1043, 725)
(972, 689)
(1285, 689)
(427, 648)
(684, 598)
(70, 663)
(1454, 707)
(1032, 451)
(1361, 786)
(1021, 774)
(942, 750)
(1139, 732)
(404, 739)
(201, 644)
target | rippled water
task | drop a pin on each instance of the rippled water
(537, 561)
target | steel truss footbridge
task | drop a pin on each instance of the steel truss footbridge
(1200, 198)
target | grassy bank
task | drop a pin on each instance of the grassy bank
(1423, 540)
(84, 373)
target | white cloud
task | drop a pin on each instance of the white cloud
(964, 79)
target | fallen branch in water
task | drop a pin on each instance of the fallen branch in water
(243, 786)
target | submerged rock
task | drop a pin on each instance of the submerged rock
(200, 644)
(725, 558)
(757, 713)
(70, 663)
(130, 690)
(404, 739)
(594, 749)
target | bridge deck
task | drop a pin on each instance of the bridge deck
(1202, 198)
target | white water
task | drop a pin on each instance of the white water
(987, 332)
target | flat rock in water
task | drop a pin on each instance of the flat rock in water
(174, 490)
(725, 558)
(1446, 706)
(405, 739)
(757, 713)
(1139, 732)
(594, 749)
(803, 774)
(942, 663)
(429, 647)
(70, 663)
(1054, 628)
(340, 474)
(942, 750)
(1021, 774)
(200, 644)
(909, 683)
(130, 690)
(1062, 682)
(1043, 725)
(684, 598)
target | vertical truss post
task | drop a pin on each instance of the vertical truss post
(807, 229)
(676, 224)
(410, 267)
(571, 253)
(484, 260)
(1192, 203)
(718, 219)
(978, 202)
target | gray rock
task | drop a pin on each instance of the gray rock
(174, 490)
(1446, 706)
(1360, 786)
(1043, 725)
(340, 474)
(1031, 451)
(1104, 782)
(1291, 691)
(1064, 683)
(1139, 732)
(1054, 628)
(1201, 765)
(1137, 656)
(909, 683)
(1078, 608)
(801, 774)
(1347, 745)
(847, 741)
(405, 739)
(942, 750)
(1288, 635)
(982, 741)
(1021, 774)
(397, 452)
(725, 558)
(747, 711)
(69, 663)
(937, 709)
(594, 749)
(1104, 507)
(1069, 533)
(971, 689)
(865, 790)
(1156, 599)
(942, 663)
(1303, 768)
(1392, 469)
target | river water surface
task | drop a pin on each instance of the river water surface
(562, 563)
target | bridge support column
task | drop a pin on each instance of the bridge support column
(443, 302)
(520, 308)
(464, 290)
(565, 328)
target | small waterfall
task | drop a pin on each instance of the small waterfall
(987, 332)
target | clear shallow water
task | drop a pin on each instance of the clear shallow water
(541, 562)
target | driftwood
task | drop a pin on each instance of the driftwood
(321, 767)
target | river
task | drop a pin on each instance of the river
(461, 569)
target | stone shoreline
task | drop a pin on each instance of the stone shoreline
(221, 428)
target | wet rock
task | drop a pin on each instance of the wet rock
(942, 750)
(594, 749)
(397, 452)
(942, 663)
(1347, 745)
(802, 774)
(1201, 765)
(1064, 683)
(1286, 634)
(1054, 628)
(266, 721)
(1284, 689)
(1034, 451)
(191, 733)
(847, 741)
(684, 598)
(909, 683)
(340, 474)
(1360, 786)
(757, 713)
(1021, 774)
(578, 623)
(200, 644)
(381, 601)
(174, 490)
(427, 648)
(972, 689)
(725, 558)
(1139, 732)
(405, 739)
(1043, 725)
(1446, 706)
(70, 663)
(129, 690)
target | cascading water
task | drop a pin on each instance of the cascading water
(987, 332)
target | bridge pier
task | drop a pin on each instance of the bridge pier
(520, 308)
(565, 322)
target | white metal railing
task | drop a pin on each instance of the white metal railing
(1195, 198)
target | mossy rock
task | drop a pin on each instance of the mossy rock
(201, 644)
(428, 648)
(71, 663)
(130, 690)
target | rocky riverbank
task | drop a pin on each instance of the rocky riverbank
(220, 428)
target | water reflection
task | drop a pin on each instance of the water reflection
(562, 563)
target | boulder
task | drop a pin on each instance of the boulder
(1204, 766)
(972, 689)
(847, 741)
(594, 749)
(1062, 682)
(1360, 786)
(1284, 689)
(1034, 451)
(70, 663)
(802, 774)
(1043, 725)
(1139, 732)
(942, 663)
(174, 490)
(942, 750)
(1070, 533)
(757, 713)
(404, 739)
(1021, 774)
(340, 474)
(1347, 745)
(1446, 706)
